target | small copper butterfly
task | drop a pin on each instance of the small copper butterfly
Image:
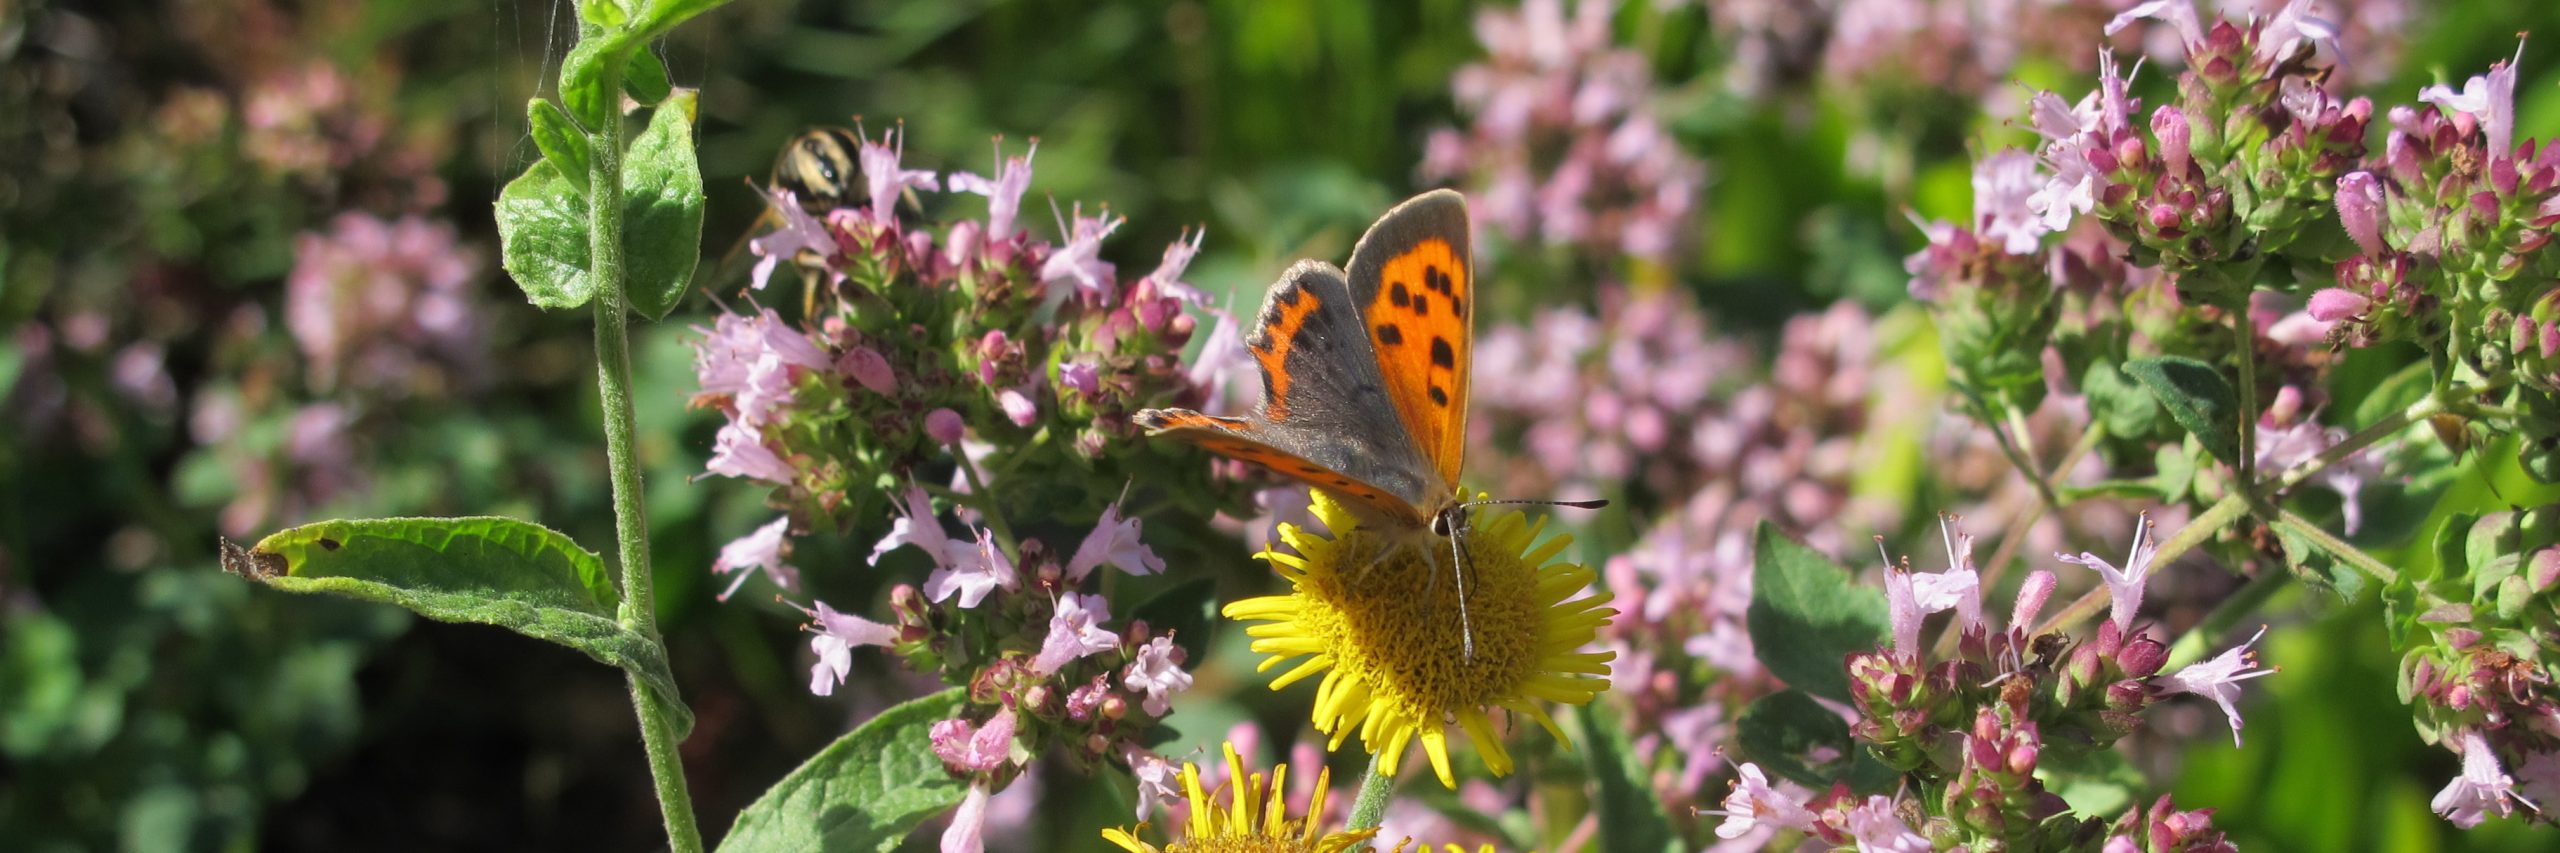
(1364, 377)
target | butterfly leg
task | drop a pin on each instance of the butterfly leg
(1458, 570)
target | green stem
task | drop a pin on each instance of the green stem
(985, 500)
(2026, 521)
(2349, 554)
(621, 427)
(1369, 807)
(2236, 504)
(2018, 457)
(2247, 355)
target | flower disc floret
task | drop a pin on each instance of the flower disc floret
(1376, 613)
(1255, 818)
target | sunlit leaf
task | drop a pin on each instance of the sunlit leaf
(866, 791)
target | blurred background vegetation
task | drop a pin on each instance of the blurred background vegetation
(186, 181)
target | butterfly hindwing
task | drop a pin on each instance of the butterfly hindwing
(1414, 279)
(1324, 404)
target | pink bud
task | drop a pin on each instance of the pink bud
(2360, 210)
(2335, 304)
(2170, 124)
(867, 367)
(2032, 594)
(2287, 406)
(944, 426)
(2551, 340)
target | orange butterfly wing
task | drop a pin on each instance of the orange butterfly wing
(1414, 278)
(1241, 439)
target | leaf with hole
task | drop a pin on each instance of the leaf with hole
(514, 574)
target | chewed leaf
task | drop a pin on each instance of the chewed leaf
(492, 571)
(863, 792)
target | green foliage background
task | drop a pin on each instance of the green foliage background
(148, 702)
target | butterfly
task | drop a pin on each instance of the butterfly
(1365, 377)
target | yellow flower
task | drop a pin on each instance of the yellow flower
(1255, 820)
(1385, 633)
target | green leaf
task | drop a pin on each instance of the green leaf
(1782, 732)
(542, 238)
(1631, 817)
(514, 574)
(863, 792)
(644, 78)
(2093, 781)
(560, 141)
(2197, 397)
(582, 78)
(662, 209)
(664, 15)
(2119, 402)
(605, 14)
(2315, 566)
(1808, 614)
(2396, 394)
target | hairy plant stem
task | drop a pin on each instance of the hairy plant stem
(1369, 807)
(2191, 646)
(621, 426)
(2231, 507)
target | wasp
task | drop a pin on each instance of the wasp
(819, 167)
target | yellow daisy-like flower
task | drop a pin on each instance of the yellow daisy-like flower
(1385, 633)
(1255, 819)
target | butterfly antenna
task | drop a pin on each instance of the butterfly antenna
(1595, 503)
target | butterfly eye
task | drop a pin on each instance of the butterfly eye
(1440, 524)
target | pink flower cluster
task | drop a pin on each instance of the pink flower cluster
(1563, 144)
(386, 306)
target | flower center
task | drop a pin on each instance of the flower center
(1388, 607)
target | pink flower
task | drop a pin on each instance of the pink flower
(2359, 200)
(1159, 781)
(761, 549)
(2003, 184)
(1018, 407)
(968, 830)
(975, 749)
(1167, 276)
(972, 573)
(2482, 788)
(1878, 829)
(739, 452)
(798, 233)
(880, 167)
(2219, 679)
(2539, 776)
(1753, 802)
(916, 525)
(1903, 607)
(2292, 24)
(1114, 542)
(1158, 673)
(1079, 263)
(2032, 594)
(2491, 99)
(2124, 586)
(2178, 13)
(837, 635)
(1004, 193)
(1075, 631)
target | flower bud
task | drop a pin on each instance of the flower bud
(2142, 657)
(2359, 202)
(2335, 304)
(944, 426)
(2170, 124)
(2032, 594)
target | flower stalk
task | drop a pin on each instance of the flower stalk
(638, 611)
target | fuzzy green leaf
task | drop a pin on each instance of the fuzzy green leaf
(662, 209)
(561, 142)
(863, 792)
(542, 237)
(513, 574)
(644, 78)
(1808, 614)
(2197, 397)
(583, 74)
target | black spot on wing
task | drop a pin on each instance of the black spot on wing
(1421, 305)
(1439, 397)
(1441, 354)
(1390, 335)
(1398, 296)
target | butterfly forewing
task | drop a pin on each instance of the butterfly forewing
(1324, 418)
(1414, 278)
